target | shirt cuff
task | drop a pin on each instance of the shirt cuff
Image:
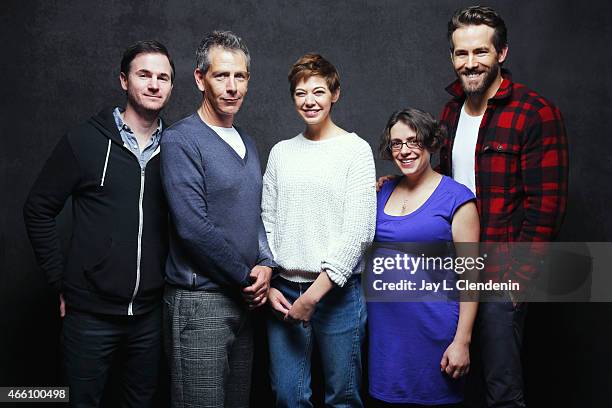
(335, 276)
(268, 262)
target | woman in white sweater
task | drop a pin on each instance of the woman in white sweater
(319, 210)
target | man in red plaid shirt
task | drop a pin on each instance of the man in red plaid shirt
(508, 145)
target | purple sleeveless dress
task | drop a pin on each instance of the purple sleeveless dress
(407, 339)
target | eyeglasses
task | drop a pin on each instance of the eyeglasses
(397, 145)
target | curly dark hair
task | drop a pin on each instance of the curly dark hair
(429, 132)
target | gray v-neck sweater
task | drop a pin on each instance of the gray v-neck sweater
(214, 197)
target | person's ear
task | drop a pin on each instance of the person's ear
(199, 79)
(501, 56)
(336, 95)
(124, 80)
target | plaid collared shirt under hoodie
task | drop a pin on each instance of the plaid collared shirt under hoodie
(521, 164)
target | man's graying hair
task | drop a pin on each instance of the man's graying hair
(224, 39)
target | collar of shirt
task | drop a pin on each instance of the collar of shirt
(128, 135)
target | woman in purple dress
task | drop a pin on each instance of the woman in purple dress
(418, 351)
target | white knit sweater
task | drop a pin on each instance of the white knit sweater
(319, 205)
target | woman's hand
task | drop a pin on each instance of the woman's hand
(456, 359)
(302, 309)
(280, 305)
(383, 179)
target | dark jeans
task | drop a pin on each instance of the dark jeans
(338, 328)
(89, 345)
(496, 371)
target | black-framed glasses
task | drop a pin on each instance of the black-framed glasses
(396, 145)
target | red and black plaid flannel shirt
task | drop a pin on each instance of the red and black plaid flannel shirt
(521, 164)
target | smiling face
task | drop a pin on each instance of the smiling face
(475, 60)
(410, 158)
(224, 85)
(148, 83)
(313, 100)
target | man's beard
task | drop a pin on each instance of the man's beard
(478, 90)
(144, 111)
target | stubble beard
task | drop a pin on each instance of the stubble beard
(490, 75)
(144, 111)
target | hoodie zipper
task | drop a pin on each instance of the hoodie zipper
(98, 123)
(140, 225)
(139, 249)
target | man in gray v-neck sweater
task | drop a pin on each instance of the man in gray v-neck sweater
(219, 264)
(214, 196)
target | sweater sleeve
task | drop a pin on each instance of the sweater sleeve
(359, 218)
(55, 183)
(268, 212)
(268, 199)
(184, 183)
(265, 254)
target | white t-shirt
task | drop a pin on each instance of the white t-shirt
(231, 137)
(464, 149)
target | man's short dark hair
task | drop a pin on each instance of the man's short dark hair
(144, 47)
(429, 132)
(224, 39)
(478, 15)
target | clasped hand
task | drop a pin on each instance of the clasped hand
(256, 295)
(301, 310)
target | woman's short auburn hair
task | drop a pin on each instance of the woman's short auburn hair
(313, 65)
(430, 134)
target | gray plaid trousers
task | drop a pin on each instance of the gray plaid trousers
(208, 337)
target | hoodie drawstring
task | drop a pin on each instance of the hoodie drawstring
(105, 163)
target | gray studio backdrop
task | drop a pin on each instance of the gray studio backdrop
(60, 64)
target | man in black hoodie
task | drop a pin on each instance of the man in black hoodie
(110, 284)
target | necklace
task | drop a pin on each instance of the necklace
(409, 196)
(404, 206)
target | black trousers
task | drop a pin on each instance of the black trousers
(375, 403)
(91, 341)
(496, 378)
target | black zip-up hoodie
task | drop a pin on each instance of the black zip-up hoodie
(115, 264)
